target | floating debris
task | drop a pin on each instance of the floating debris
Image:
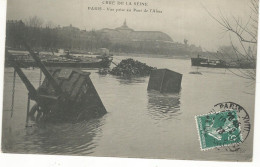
(165, 81)
(195, 72)
(131, 67)
(103, 71)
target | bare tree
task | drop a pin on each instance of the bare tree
(243, 41)
(50, 24)
(34, 21)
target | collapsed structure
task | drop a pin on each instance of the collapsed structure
(64, 95)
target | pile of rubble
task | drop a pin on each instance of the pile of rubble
(130, 67)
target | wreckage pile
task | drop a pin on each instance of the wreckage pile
(130, 67)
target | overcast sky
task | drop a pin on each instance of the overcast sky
(180, 18)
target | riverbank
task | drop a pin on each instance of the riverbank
(152, 55)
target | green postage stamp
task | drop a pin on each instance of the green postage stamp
(218, 129)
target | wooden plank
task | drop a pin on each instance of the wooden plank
(68, 85)
(65, 73)
(46, 84)
(155, 81)
(77, 87)
(83, 93)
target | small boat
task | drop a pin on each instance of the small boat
(198, 61)
(217, 63)
(203, 62)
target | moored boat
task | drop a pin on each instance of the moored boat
(24, 60)
(217, 63)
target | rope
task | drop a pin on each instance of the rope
(28, 110)
(115, 63)
(13, 92)
(40, 81)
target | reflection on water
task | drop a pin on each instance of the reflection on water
(129, 80)
(163, 106)
(57, 138)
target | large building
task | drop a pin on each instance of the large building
(126, 34)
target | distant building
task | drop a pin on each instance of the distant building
(122, 39)
(126, 34)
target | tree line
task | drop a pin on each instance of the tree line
(49, 37)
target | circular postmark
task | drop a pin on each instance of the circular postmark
(242, 122)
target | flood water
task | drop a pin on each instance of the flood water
(139, 123)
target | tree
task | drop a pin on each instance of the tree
(185, 41)
(34, 21)
(50, 24)
(243, 40)
(228, 53)
(15, 33)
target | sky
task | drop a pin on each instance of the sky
(180, 19)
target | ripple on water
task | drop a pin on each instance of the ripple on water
(66, 138)
(163, 106)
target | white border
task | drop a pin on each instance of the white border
(14, 160)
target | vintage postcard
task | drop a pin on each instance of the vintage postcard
(164, 79)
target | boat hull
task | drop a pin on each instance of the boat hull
(202, 62)
(100, 64)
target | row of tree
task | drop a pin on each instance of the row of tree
(48, 37)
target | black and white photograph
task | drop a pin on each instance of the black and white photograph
(150, 79)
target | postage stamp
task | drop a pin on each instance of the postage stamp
(219, 129)
(244, 124)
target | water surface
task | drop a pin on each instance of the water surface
(139, 123)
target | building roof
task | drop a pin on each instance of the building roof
(124, 33)
(150, 35)
(124, 27)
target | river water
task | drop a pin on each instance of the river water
(139, 123)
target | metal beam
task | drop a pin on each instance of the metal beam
(44, 70)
